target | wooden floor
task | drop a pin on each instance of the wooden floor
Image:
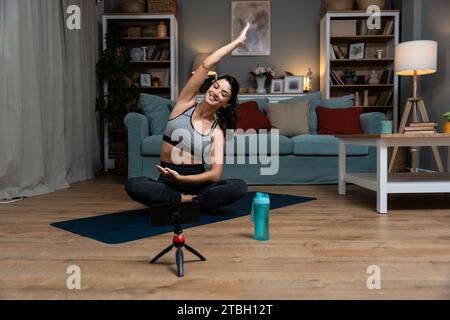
(318, 250)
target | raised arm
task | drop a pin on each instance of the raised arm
(191, 88)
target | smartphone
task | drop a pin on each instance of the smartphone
(163, 214)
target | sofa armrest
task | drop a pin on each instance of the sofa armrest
(137, 127)
(370, 122)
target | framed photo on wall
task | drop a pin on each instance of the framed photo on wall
(276, 86)
(257, 13)
(293, 84)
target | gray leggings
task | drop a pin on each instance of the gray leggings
(148, 191)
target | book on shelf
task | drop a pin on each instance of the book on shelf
(339, 53)
(421, 131)
(413, 129)
(423, 124)
(333, 54)
(388, 28)
(384, 98)
(387, 77)
(155, 52)
(335, 76)
(333, 80)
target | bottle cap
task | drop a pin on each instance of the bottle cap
(261, 198)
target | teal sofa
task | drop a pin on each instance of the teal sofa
(303, 159)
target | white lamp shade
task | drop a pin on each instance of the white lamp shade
(199, 58)
(416, 56)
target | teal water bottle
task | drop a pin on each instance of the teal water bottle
(258, 196)
(261, 211)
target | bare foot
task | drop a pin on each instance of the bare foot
(186, 197)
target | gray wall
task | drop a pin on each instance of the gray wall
(435, 88)
(205, 26)
(428, 20)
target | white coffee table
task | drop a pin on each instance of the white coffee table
(384, 183)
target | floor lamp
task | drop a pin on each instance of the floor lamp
(415, 58)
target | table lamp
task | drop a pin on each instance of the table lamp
(415, 58)
(212, 74)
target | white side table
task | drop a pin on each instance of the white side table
(383, 183)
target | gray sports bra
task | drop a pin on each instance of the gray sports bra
(180, 132)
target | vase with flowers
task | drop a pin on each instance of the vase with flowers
(261, 75)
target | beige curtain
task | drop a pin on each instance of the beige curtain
(48, 131)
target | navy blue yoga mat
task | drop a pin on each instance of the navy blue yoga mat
(133, 225)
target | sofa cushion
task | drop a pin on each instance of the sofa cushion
(338, 121)
(323, 145)
(242, 143)
(151, 145)
(251, 117)
(157, 110)
(290, 118)
(341, 102)
(261, 102)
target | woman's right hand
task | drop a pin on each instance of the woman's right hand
(162, 170)
(243, 36)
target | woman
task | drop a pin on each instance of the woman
(202, 128)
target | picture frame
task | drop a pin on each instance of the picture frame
(146, 80)
(257, 13)
(293, 84)
(276, 86)
(356, 51)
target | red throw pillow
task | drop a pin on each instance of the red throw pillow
(338, 121)
(250, 117)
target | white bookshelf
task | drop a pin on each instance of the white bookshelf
(373, 40)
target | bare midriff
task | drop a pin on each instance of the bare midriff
(166, 154)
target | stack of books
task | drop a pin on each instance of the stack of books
(421, 127)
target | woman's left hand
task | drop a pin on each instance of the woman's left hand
(243, 36)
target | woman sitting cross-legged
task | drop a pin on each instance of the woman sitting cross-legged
(187, 145)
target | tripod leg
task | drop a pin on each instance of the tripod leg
(401, 129)
(162, 253)
(437, 156)
(188, 248)
(180, 262)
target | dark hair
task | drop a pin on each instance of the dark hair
(228, 117)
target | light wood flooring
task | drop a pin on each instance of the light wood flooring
(317, 250)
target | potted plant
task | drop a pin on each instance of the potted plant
(113, 69)
(348, 75)
(447, 122)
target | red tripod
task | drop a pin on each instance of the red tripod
(178, 241)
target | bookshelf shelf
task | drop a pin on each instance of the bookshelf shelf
(145, 38)
(363, 86)
(361, 63)
(154, 63)
(339, 30)
(155, 88)
(366, 39)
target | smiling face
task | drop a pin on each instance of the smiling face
(219, 93)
